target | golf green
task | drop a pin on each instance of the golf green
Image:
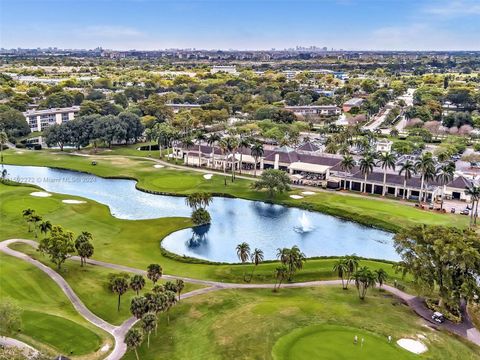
(329, 342)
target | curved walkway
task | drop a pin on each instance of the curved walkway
(464, 329)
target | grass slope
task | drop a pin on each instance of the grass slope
(49, 318)
(246, 324)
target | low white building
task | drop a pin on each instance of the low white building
(384, 146)
(39, 120)
(314, 110)
(229, 69)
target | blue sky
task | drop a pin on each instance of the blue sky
(242, 24)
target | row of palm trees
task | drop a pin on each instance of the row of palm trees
(244, 255)
(425, 166)
(348, 269)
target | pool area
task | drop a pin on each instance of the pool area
(261, 225)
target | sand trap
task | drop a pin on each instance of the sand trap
(158, 166)
(208, 176)
(413, 346)
(296, 197)
(105, 348)
(308, 193)
(18, 152)
(40, 194)
(71, 201)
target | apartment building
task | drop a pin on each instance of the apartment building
(39, 120)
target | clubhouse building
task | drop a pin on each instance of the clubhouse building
(307, 165)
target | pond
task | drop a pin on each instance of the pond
(264, 226)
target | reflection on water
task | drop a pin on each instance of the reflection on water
(264, 226)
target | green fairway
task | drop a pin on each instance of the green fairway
(246, 324)
(329, 342)
(90, 283)
(49, 320)
(384, 213)
(139, 239)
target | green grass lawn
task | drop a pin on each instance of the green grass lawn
(136, 243)
(385, 213)
(246, 324)
(90, 283)
(330, 342)
(49, 320)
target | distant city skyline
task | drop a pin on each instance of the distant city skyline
(241, 24)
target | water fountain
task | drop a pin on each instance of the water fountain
(305, 224)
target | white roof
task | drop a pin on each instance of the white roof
(314, 168)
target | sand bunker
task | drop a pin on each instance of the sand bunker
(158, 166)
(308, 193)
(105, 348)
(71, 201)
(413, 346)
(40, 194)
(296, 197)
(208, 176)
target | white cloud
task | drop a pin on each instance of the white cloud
(454, 8)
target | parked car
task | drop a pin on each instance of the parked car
(438, 317)
(452, 210)
(430, 206)
(465, 212)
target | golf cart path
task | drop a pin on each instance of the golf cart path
(465, 329)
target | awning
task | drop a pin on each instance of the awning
(307, 167)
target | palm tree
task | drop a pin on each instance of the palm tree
(351, 262)
(347, 164)
(232, 146)
(45, 227)
(119, 285)
(212, 139)
(148, 324)
(179, 285)
(445, 174)
(138, 306)
(280, 275)
(149, 136)
(292, 258)
(474, 192)
(256, 150)
(407, 169)
(364, 279)
(425, 166)
(154, 272)
(394, 133)
(137, 283)
(387, 160)
(224, 148)
(3, 141)
(199, 137)
(35, 219)
(171, 299)
(193, 200)
(366, 167)
(340, 267)
(133, 339)
(381, 276)
(243, 143)
(243, 253)
(257, 258)
(27, 214)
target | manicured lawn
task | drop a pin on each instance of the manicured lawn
(330, 342)
(246, 324)
(48, 319)
(388, 214)
(137, 243)
(90, 283)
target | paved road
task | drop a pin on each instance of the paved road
(465, 329)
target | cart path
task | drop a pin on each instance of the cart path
(465, 329)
